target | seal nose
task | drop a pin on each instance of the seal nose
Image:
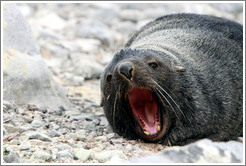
(126, 68)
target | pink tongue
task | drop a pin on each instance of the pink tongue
(148, 114)
(145, 109)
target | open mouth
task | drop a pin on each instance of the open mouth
(146, 112)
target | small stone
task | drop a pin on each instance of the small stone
(91, 136)
(27, 119)
(102, 139)
(65, 153)
(15, 142)
(12, 129)
(91, 127)
(129, 147)
(7, 105)
(37, 123)
(118, 159)
(11, 158)
(26, 127)
(40, 136)
(36, 142)
(43, 110)
(118, 141)
(79, 135)
(62, 147)
(4, 131)
(82, 154)
(111, 135)
(43, 155)
(106, 155)
(32, 107)
(104, 121)
(53, 133)
(25, 145)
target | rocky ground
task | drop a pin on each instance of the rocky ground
(77, 41)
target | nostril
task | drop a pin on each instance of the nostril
(126, 68)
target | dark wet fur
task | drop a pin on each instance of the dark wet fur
(208, 94)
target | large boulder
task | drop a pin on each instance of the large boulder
(26, 78)
(203, 151)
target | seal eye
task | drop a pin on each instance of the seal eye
(154, 65)
(109, 77)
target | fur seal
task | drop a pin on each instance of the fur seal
(178, 79)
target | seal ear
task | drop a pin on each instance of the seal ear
(179, 68)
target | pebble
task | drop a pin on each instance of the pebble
(11, 129)
(12, 158)
(53, 133)
(107, 155)
(25, 145)
(101, 138)
(37, 123)
(65, 153)
(129, 147)
(42, 155)
(82, 154)
(40, 136)
(62, 147)
(79, 135)
(104, 121)
(8, 106)
(27, 119)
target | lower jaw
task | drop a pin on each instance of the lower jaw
(152, 138)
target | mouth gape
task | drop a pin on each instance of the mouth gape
(145, 110)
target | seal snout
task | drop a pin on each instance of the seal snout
(126, 69)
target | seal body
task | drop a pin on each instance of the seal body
(177, 80)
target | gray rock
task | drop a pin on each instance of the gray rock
(26, 78)
(87, 68)
(96, 30)
(11, 129)
(203, 151)
(43, 155)
(129, 147)
(73, 80)
(26, 127)
(131, 15)
(65, 153)
(37, 135)
(62, 147)
(50, 20)
(79, 135)
(11, 158)
(53, 133)
(106, 155)
(7, 105)
(102, 138)
(37, 123)
(82, 154)
(15, 141)
(90, 46)
(104, 121)
(27, 119)
(25, 145)
(228, 8)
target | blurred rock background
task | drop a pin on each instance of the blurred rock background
(51, 90)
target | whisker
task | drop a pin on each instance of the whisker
(115, 100)
(167, 102)
(171, 99)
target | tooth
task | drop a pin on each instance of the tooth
(158, 128)
(146, 132)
